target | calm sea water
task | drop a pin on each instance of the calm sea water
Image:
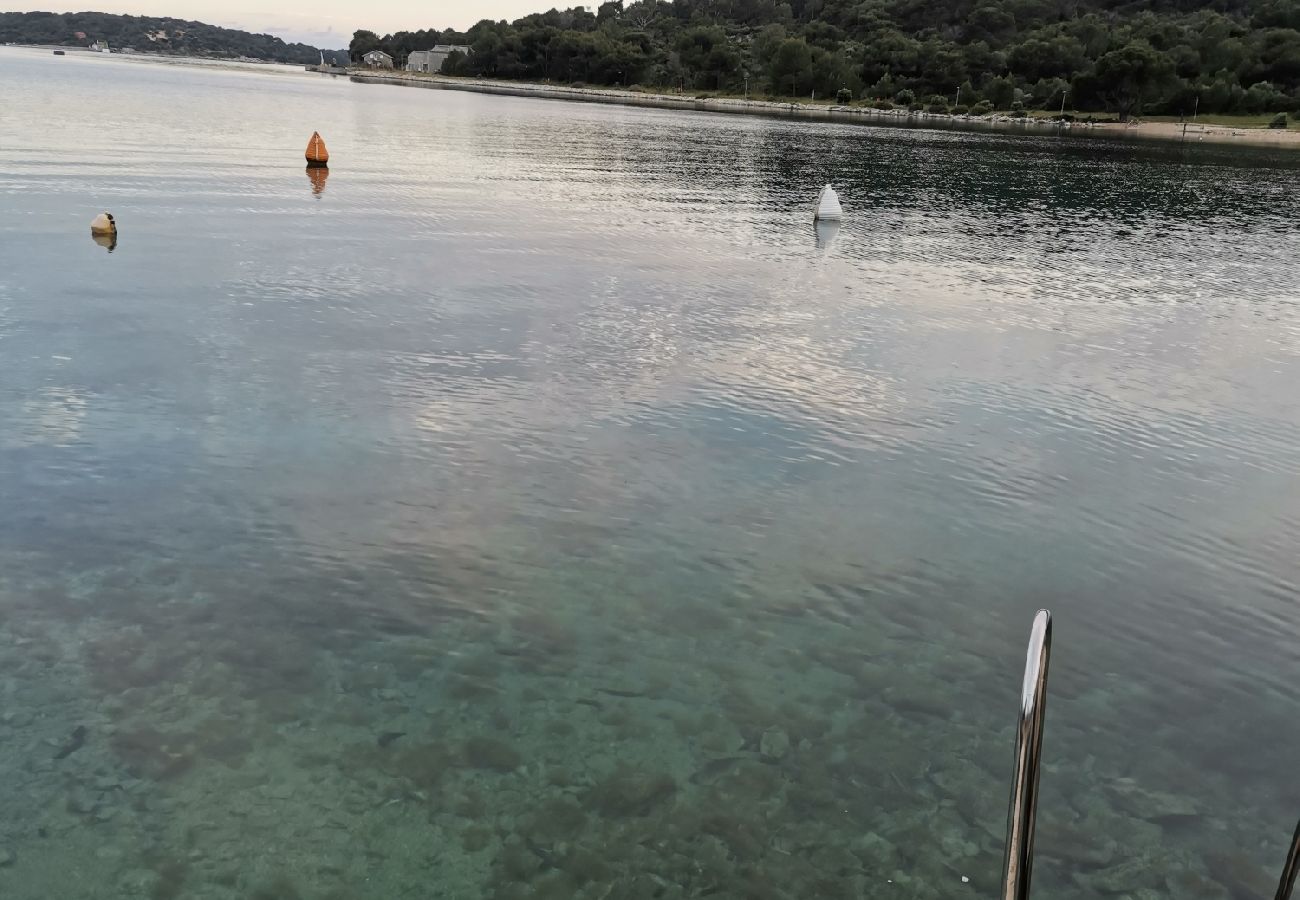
(537, 506)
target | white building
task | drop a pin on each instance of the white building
(378, 59)
(431, 60)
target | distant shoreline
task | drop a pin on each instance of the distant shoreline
(1286, 139)
(145, 55)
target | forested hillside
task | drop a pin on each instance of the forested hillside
(1153, 56)
(146, 33)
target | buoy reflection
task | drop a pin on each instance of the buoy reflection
(106, 240)
(826, 232)
(317, 177)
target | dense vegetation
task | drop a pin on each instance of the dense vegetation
(149, 34)
(1125, 56)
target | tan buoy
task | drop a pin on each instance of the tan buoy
(317, 156)
(104, 223)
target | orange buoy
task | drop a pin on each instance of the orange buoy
(317, 156)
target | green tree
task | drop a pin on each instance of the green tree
(362, 43)
(767, 42)
(1263, 97)
(1037, 58)
(791, 68)
(998, 90)
(1131, 75)
(609, 11)
(1279, 56)
(708, 55)
(455, 63)
(1121, 56)
(991, 23)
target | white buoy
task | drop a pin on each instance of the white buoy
(103, 224)
(828, 206)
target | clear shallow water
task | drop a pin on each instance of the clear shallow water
(552, 437)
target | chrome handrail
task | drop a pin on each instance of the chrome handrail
(1291, 869)
(1019, 859)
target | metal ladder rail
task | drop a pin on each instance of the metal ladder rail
(1291, 869)
(1018, 862)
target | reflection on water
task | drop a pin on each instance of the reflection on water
(826, 232)
(317, 175)
(539, 512)
(107, 241)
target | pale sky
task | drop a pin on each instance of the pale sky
(324, 23)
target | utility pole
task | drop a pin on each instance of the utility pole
(1064, 94)
(1196, 107)
(957, 102)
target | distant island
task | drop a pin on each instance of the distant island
(1179, 58)
(147, 34)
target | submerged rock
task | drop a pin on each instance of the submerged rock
(774, 744)
(1126, 877)
(1154, 806)
(715, 768)
(1195, 886)
(1074, 845)
(1241, 874)
(388, 737)
(7, 857)
(630, 792)
(75, 742)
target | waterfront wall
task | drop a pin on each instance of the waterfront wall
(855, 115)
(771, 109)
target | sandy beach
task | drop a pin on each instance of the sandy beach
(1157, 131)
(1186, 131)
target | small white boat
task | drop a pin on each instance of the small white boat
(828, 206)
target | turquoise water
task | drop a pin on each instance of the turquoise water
(539, 507)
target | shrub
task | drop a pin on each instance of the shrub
(1263, 96)
(844, 96)
(983, 108)
(905, 98)
(960, 109)
(636, 89)
(1017, 106)
(883, 104)
(578, 84)
(1018, 113)
(1279, 121)
(914, 106)
(937, 104)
